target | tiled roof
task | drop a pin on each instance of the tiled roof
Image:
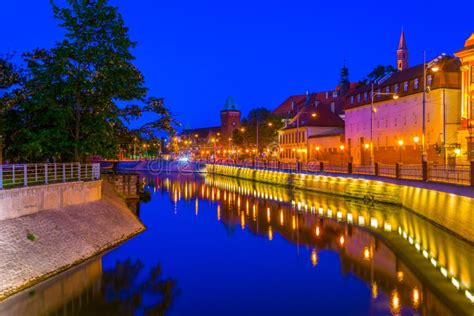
(324, 116)
(447, 77)
(284, 108)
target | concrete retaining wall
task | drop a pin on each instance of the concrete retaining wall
(37, 246)
(451, 211)
(29, 200)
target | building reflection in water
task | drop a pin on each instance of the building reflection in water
(88, 290)
(392, 249)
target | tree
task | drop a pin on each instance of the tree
(10, 93)
(268, 125)
(75, 90)
(378, 72)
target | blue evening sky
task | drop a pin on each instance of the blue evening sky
(196, 53)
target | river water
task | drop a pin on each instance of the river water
(222, 246)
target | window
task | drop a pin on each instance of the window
(333, 107)
(395, 88)
(334, 94)
(378, 92)
(365, 96)
(405, 86)
(429, 80)
(358, 98)
(416, 83)
(352, 99)
(387, 89)
(327, 95)
(472, 74)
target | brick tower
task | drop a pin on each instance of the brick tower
(230, 118)
(402, 53)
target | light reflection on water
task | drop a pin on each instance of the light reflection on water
(230, 247)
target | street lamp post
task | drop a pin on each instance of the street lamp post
(400, 144)
(372, 111)
(342, 154)
(424, 154)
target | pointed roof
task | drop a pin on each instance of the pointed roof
(230, 105)
(402, 44)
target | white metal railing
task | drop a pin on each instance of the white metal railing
(17, 175)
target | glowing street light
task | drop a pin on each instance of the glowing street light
(400, 144)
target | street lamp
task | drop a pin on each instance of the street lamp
(297, 118)
(400, 144)
(342, 154)
(434, 68)
(372, 111)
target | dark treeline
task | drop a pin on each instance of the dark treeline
(67, 103)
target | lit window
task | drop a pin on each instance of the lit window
(352, 99)
(429, 80)
(358, 98)
(378, 92)
(334, 94)
(405, 86)
(395, 88)
(327, 95)
(365, 96)
(387, 89)
(416, 83)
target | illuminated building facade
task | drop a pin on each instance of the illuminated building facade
(318, 114)
(467, 96)
(388, 114)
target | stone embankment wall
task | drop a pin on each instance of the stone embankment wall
(451, 211)
(29, 200)
(41, 244)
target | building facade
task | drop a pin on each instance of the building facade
(213, 141)
(312, 122)
(384, 119)
(466, 56)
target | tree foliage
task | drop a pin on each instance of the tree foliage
(378, 72)
(74, 93)
(268, 125)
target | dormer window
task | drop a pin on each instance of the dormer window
(405, 86)
(416, 83)
(429, 80)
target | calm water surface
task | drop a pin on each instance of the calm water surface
(222, 246)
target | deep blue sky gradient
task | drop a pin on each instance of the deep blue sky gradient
(196, 53)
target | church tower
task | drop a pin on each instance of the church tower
(230, 118)
(402, 53)
(344, 82)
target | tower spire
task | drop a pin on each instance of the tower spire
(402, 53)
(344, 82)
